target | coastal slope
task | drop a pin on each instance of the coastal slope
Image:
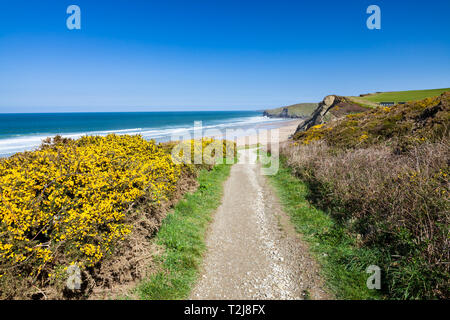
(300, 110)
(383, 177)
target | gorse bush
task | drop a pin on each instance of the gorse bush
(73, 196)
(68, 202)
(386, 181)
(204, 151)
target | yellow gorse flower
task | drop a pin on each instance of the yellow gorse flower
(72, 196)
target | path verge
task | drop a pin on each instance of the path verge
(342, 263)
(181, 238)
(253, 250)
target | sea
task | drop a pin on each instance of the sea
(25, 131)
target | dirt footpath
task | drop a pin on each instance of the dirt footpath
(253, 250)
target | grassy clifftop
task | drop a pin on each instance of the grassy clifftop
(300, 110)
(401, 96)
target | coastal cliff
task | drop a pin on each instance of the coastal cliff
(283, 114)
(295, 111)
(330, 108)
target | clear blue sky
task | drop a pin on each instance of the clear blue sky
(214, 54)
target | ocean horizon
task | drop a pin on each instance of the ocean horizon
(25, 131)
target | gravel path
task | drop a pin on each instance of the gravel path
(253, 250)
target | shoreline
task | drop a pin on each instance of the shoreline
(253, 135)
(285, 130)
(262, 133)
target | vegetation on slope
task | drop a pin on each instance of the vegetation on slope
(182, 238)
(300, 110)
(383, 176)
(402, 125)
(77, 203)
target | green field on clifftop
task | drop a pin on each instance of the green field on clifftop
(403, 96)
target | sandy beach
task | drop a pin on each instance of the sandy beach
(266, 131)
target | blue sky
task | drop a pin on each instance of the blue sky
(214, 54)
